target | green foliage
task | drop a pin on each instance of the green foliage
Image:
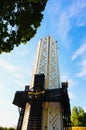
(11, 128)
(19, 20)
(74, 116)
(78, 117)
(5, 128)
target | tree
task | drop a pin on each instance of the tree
(78, 117)
(74, 116)
(11, 128)
(81, 116)
(5, 128)
(19, 20)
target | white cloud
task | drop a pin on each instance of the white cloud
(82, 73)
(63, 27)
(14, 70)
(77, 7)
(20, 74)
(6, 65)
(60, 17)
(71, 15)
(80, 54)
(64, 17)
(80, 51)
(19, 83)
(77, 11)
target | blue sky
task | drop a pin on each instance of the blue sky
(65, 21)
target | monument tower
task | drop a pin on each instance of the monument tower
(54, 108)
(47, 63)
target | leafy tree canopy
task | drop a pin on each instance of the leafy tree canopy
(78, 116)
(5, 128)
(19, 20)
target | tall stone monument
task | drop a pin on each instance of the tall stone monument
(55, 110)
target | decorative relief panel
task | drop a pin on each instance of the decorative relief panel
(53, 65)
(42, 68)
(54, 122)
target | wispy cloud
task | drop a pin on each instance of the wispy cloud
(19, 83)
(80, 51)
(77, 12)
(81, 54)
(63, 27)
(18, 72)
(82, 73)
(7, 66)
(72, 15)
